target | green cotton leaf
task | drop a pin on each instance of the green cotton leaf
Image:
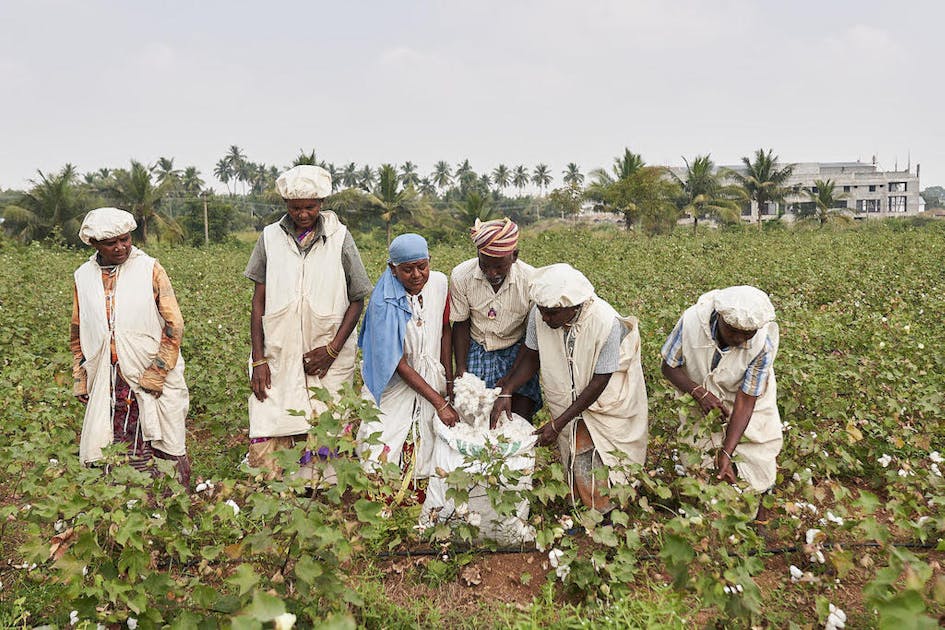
(904, 611)
(244, 578)
(618, 517)
(308, 570)
(677, 553)
(605, 536)
(265, 607)
(368, 511)
(245, 622)
(868, 502)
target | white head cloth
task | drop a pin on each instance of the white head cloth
(104, 223)
(744, 307)
(304, 182)
(560, 285)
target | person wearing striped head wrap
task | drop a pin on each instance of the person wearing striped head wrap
(489, 306)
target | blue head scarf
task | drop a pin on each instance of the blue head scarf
(381, 338)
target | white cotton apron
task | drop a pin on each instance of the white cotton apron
(138, 327)
(306, 299)
(757, 451)
(402, 410)
(617, 420)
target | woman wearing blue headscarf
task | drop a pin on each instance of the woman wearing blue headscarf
(406, 343)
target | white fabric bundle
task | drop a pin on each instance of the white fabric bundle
(105, 223)
(304, 182)
(560, 285)
(744, 307)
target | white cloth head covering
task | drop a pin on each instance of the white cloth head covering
(103, 223)
(304, 182)
(744, 307)
(560, 285)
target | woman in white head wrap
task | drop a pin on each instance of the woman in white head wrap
(125, 340)
(722, 352)
(588, 357)
(310, 286)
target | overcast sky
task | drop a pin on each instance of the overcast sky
(97, 83)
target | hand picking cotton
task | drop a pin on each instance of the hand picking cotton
(512, 442)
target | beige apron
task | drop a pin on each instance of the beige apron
(137, 327)
(306, 298)
(756, 453)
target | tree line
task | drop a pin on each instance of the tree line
(174, 203)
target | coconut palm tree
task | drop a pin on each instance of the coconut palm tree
(305, 158)
(237, 161)
(388, 197)
(191, 181)
(133, 190)
(366, 178)
(520, 178)
(441, 175)
(224, 172)
(828, 203)
(426, 187)
(572, 175)
(349, 175)
(463, 169)
(474, 206)
(408, 174)
(166, 173)
(501, 176)
(55, 202)
(541, 177)
(764, 180)
(704, 194)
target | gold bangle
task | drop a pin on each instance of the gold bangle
(504, 396)
(729, 455)
(331, 351)
(445, 405)
(258, 363)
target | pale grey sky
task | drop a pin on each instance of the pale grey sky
(97, 83)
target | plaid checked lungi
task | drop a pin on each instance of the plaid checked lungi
(491, 366)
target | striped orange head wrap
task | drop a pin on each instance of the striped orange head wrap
(496, 238)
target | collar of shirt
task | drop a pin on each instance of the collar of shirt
(289, 227)
(714, 327)
(515, 274)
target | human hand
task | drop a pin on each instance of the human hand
(501, 406)
(260, 381)
(709, 401)
(547, 434)
(154, 392)
(316, 362)
(83, 398)
(448, 415)
(723, 464)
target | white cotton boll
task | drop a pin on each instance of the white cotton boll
(935, 470)
(132, 623)
(54, 461)
(474, 519)
(563, 571)
(554, 557)
(796, 573)
(834, 519)
(200, 487)
(818, 556)
(232, 504)
(59, 525)
(885, 460)
(738, 587)
(934, 456)
(726, 590)
(131, 504)
(73, 617)
(566, 522)
(285, 621)
(812, 535)
(680, 470)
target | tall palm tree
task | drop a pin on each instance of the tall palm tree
(408, 174)
(703, 191)
(426, 187)
(237, 161)
(366, 178)
(335, 173)
(55, 201)
(166, 173)
(624, 167)
(191, 181)
(541, 177)
(224, 172)
(441, 175)
(349, 175)
(827, 201)
(764, 180)
(133, 190)
(305, 158)
(572, 175)
(388, 197)
(474, 206)
(520, 178)
(462, 169)
(501, 176)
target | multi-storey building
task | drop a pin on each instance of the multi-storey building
(862, 190)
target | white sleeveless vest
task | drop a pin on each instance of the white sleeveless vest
(138, 329)
(306, 298)
(617, 420)
(762, 440)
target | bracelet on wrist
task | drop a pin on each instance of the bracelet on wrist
(445, 405)
(504, 396)
(260, 362)
(331, 351)
(727, 454)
